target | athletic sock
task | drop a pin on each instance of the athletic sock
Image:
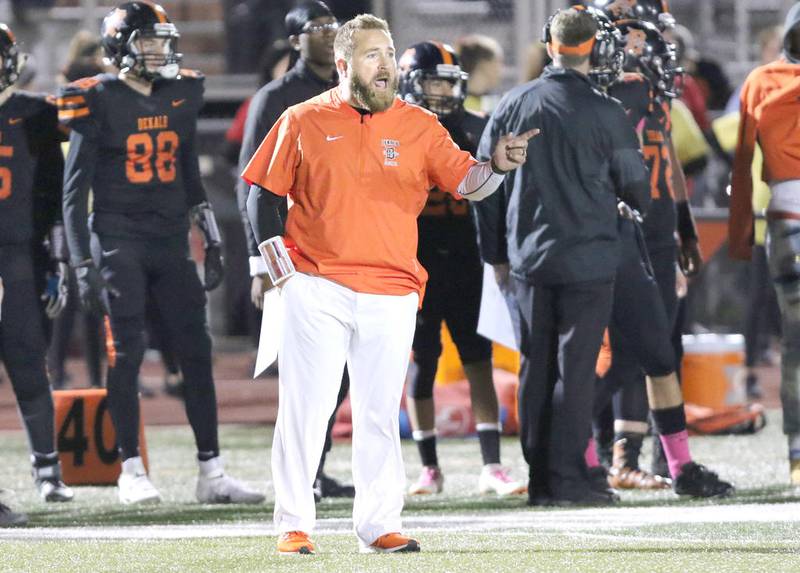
(590, 454)
(489, 438)
(670, 424)
(631, 449)
(676, 449)
(205, 456)
(427, 450)
(43, 460)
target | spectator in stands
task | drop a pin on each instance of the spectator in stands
(482, 58)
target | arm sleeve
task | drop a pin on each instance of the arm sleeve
(490, 214)
(264, 214)
(447, 165)
(480, 182)
(262, 113)
(740, 217)
(45, 137)
(190, 166)
(78, 175)
(78, 110)
(626, 163)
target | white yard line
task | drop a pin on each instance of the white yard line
(582, 522)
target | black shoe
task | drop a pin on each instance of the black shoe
(598, 480)
(9, 518)
(698, 481)
(329, 487)
(588, 498)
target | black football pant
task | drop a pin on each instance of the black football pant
(453, 294)
(561, 328)
(23, 348)
(640, 330)
(162, 269)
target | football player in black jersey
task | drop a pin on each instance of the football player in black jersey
(430, 76)
(133, 144)
(644, 292)
(31, 166)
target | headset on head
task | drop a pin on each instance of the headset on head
(599, 47)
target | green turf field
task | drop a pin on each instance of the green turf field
(758, 530)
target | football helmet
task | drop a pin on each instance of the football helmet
(607, 56)
(9, 58)
(432, 61)
(647, 52)
(130, 35)
(653, 11)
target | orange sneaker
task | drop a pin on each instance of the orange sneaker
(294, 543)
(392, 543)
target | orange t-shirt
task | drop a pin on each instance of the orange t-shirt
(769, 106)
(358, 183)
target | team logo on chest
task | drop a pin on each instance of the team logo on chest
(390, 153)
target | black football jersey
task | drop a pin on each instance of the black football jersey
(31, 167)
(635, 94)
(445, 222)
(651, 118)
(136, 153)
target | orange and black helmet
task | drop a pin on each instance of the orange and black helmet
(432, 61)
(654, 11)
(9, 58)
(647, 52)
(129, 23)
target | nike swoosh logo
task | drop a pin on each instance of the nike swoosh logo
(178, 102)
(333, 137)
(14, 120)
(110, 253)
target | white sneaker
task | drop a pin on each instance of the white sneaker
(48, 482)
(134, 485)
(497, 479)
(215, 486)
(430, 481)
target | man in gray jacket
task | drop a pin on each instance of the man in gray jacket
(551, 234)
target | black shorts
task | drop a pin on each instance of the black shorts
(453, 294)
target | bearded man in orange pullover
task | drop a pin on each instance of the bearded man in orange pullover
(358, 164)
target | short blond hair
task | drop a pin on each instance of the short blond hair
(344, 43)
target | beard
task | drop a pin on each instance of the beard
(369, 98)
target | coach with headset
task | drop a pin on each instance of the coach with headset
(551, 235)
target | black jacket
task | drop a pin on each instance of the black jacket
(267, 105)
(555, 218)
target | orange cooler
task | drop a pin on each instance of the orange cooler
(712, 366)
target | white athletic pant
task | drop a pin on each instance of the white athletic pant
(324, 325)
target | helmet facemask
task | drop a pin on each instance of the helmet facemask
(442, 104)
(152, 52)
